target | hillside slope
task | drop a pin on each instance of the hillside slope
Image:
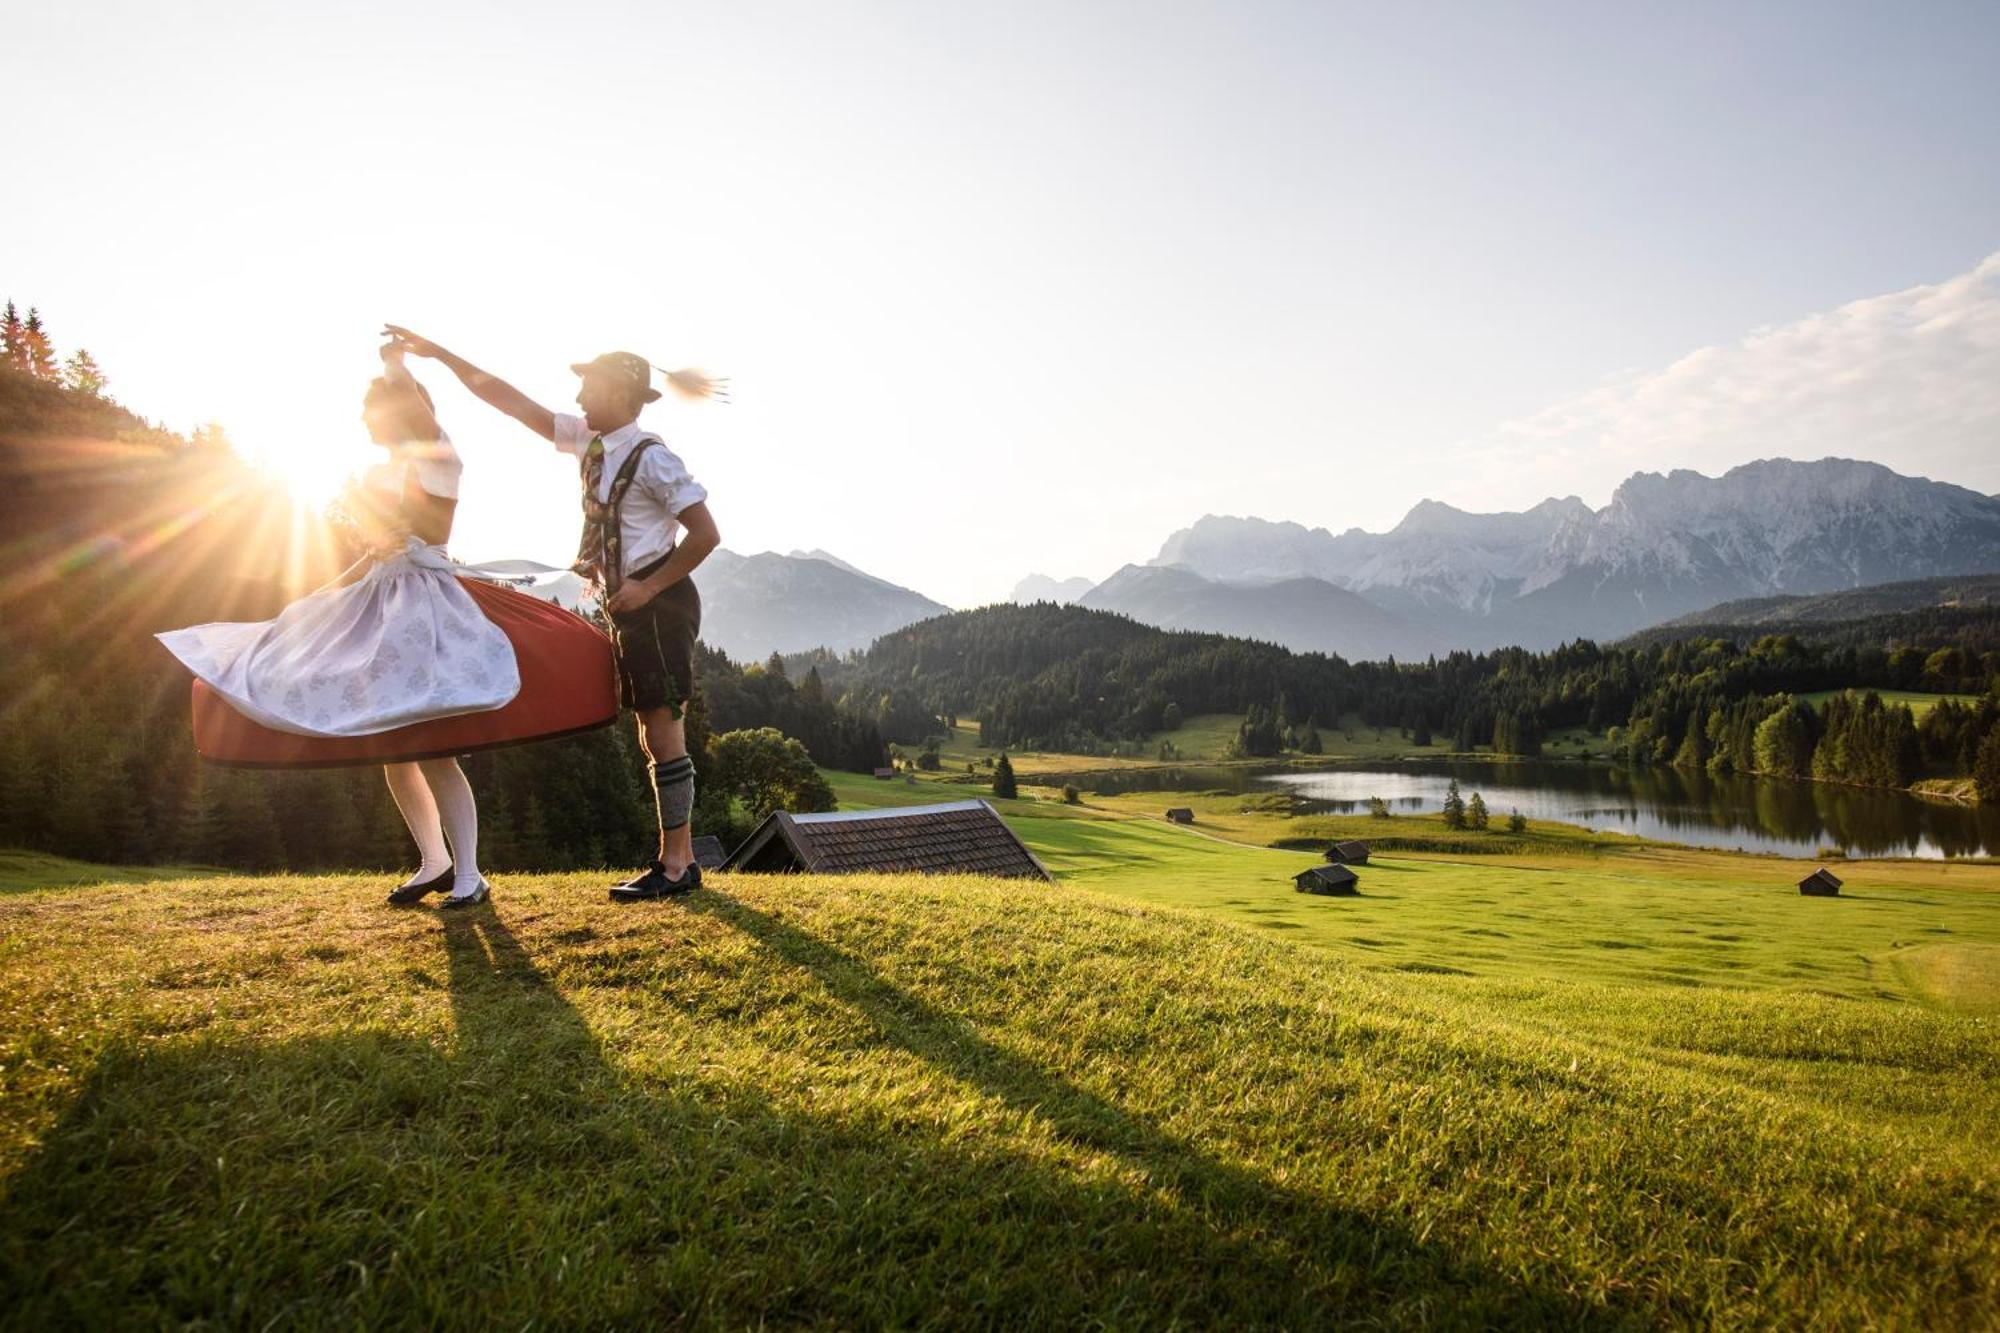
(881, 1100)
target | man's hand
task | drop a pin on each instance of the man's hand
(487, 389)
(631, 595)
(411, 342)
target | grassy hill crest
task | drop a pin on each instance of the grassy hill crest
(934, 1101)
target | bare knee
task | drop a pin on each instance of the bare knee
(661, 734)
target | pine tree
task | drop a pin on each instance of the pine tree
(13, 340)
(80, 372)
(1475, 811)
(1986, 766)
(1517, 822)
(1004, 785)
(41, 352)
(1454, 806)
(1311, 742)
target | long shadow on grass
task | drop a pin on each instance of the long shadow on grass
(517, 1174)
(1296, 1236)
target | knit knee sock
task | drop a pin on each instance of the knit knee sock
(673, 790)
(420, 812)
(460, 813)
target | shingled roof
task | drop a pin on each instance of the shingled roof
(957, 838)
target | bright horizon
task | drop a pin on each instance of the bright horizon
(1024, 292)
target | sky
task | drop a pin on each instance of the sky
(1023, 288)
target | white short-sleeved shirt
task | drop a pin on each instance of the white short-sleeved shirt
(648, 521)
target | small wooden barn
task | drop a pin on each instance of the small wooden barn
(1180, 814)
(1347, 853)
(1822, 883)
(708, 853)
(955, 838)
(884, 774)
(1327, 879)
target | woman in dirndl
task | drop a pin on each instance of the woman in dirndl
(398, 659)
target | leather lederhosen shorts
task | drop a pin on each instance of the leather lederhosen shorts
(656, 646)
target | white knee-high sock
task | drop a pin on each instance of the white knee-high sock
(460, 812)
(420, 812)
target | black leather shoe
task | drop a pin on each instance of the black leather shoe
(473, 899)
(410, 894)
(655, 883)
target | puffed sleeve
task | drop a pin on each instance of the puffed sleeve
(668, 480)
(573, 433)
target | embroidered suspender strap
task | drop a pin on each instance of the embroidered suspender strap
(600, 555)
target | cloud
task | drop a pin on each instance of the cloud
(1910, 379)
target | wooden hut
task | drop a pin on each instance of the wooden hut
(1180, 814)
(1347, 853)
(1822, 883)
(955, 838)
(884, 774)
(1327, 879)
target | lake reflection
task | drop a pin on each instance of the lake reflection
(1738, 813)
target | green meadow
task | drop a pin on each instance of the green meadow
(1918, 702)
(1573, 1081)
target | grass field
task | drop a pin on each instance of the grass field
(1919, 703)
(21, 870)
(889, 1100)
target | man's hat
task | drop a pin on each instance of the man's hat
(625, 367)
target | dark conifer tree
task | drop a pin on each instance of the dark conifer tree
(41, 352)
(1004, 785)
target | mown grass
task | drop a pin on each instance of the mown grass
(887, 1100)
(22, 870)
(1918, 701)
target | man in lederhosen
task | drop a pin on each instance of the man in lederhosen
(637, 495)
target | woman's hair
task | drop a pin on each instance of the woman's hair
(408, 402)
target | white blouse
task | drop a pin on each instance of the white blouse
(436, 462)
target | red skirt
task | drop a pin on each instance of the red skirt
(569, 683)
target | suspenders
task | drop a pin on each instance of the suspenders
(601, 554)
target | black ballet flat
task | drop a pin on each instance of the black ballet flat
(411, 894)
(473, 899)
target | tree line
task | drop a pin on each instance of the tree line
(1069, 678)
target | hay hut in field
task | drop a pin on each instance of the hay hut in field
(1327, 880)
(884, 774)
(1180, 814)
(1822, 883)
(1347, 853)
(708, 853)
(955, 838)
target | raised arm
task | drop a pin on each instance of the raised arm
(487, 388)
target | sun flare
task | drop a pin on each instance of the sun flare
(314, 475)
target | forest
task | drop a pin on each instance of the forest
(1066, 678)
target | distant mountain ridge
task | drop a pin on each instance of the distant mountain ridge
(1964, 591)
(755, 605)
(1664, 546)
(1303, 614)
(1042, 588)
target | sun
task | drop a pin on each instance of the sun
(314, 474)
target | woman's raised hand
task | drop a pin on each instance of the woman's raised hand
(409, 342)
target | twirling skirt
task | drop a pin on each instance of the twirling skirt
(411, 662)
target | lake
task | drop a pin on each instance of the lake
(1734, 813)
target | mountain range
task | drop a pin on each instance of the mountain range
(1666, 545)
(754, 605)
